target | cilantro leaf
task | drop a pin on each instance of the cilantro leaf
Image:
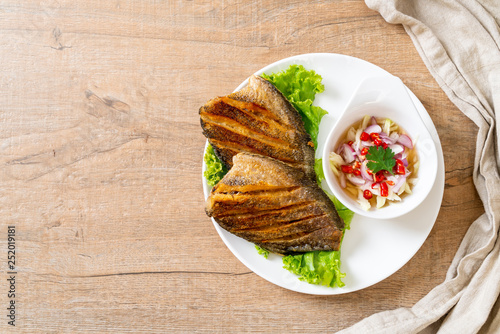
(380, 159)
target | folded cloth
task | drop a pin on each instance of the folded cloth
(459, 43)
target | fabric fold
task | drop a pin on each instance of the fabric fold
(459, 43)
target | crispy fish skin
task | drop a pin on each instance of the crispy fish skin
(275, 206)
(257, 119)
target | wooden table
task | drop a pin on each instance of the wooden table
(101, 154)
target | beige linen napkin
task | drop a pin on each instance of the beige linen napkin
(459, 42)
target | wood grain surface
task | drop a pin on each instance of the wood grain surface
(101, 153)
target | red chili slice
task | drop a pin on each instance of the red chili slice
(377, 142)
(384, 190)
(347, 169)
(350, 142)
(367, 194)
(364, 151)
(364, 136)
(400, 167)
(356, 172)
(379, 176)
(374, 136)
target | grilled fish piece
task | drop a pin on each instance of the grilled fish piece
(257, 119)
(275, 206)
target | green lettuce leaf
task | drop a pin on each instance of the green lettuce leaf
(318, 169)
(317, 267)
(300, 87)
(262, 251)
(215, 168)
(343, 211)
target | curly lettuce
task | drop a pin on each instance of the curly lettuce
(262, 251)
(319, 267)
(215, 168)
(300, 87)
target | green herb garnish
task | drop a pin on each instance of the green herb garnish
(380, 158)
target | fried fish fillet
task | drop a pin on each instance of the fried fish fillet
(257, 119)
(274, 206)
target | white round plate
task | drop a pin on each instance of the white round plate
(372, 249)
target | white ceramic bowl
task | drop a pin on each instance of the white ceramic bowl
(385, 97)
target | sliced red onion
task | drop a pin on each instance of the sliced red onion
(366, 144)
(401, 156)
(405, 141)
(373, 128)
(339, 149)
(356, 180)
(396, 148)
(405, 162)
(364, 172)
(342, 180)
(376, 190)
(393, 178)
(394, 136)
(355, 145)
(367, 185)
(386, 139)
(357, 152)
(348, 153)
(397, 186)
(374, 120)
